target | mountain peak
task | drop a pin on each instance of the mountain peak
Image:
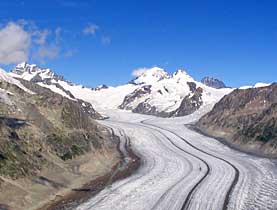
(181, 74)
(180, 71)
(21, 65)
(213, 82)
(30, 72)
(150, 75)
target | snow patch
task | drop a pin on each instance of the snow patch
(4, 76)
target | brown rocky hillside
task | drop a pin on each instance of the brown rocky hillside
(247, 118)
(48, 144)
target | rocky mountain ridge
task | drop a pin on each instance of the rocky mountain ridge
(213, 82)
(246, 117)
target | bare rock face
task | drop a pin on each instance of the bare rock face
(191, 102)
(213, 82)
(247, 118)
(146, 108)
(138, 93)
(100, 87)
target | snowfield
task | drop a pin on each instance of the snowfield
(182, 169)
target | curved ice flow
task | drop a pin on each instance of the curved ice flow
(174, 175)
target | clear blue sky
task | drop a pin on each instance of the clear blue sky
(234, 40)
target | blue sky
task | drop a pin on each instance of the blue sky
(102, 41)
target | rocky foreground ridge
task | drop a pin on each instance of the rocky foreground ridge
(48, 143)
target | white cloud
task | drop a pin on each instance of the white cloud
(138, 72)
(90, 29)
(47, 52)
(70, 53)
(23, 40)
(58, 32)
(40, 37)
(15, 44)
(106, 40)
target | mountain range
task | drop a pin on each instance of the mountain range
(153, 92)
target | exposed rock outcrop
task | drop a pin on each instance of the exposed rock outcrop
(101, 87)
(138, 93)
(146, 108)
(213, 82)
(191, 102)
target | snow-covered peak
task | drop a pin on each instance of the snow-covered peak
(152, 75)
(33, 72)
(21, 65)
(181, 75)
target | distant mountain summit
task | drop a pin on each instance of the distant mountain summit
(150, 75)
(47, 78)
(213, 82)
(34, 73)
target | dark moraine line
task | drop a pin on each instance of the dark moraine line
(130, 154)
(189, 196)
(232, 186)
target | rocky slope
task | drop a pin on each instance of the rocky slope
(246, 117)
(42, 135)
(213, 82)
